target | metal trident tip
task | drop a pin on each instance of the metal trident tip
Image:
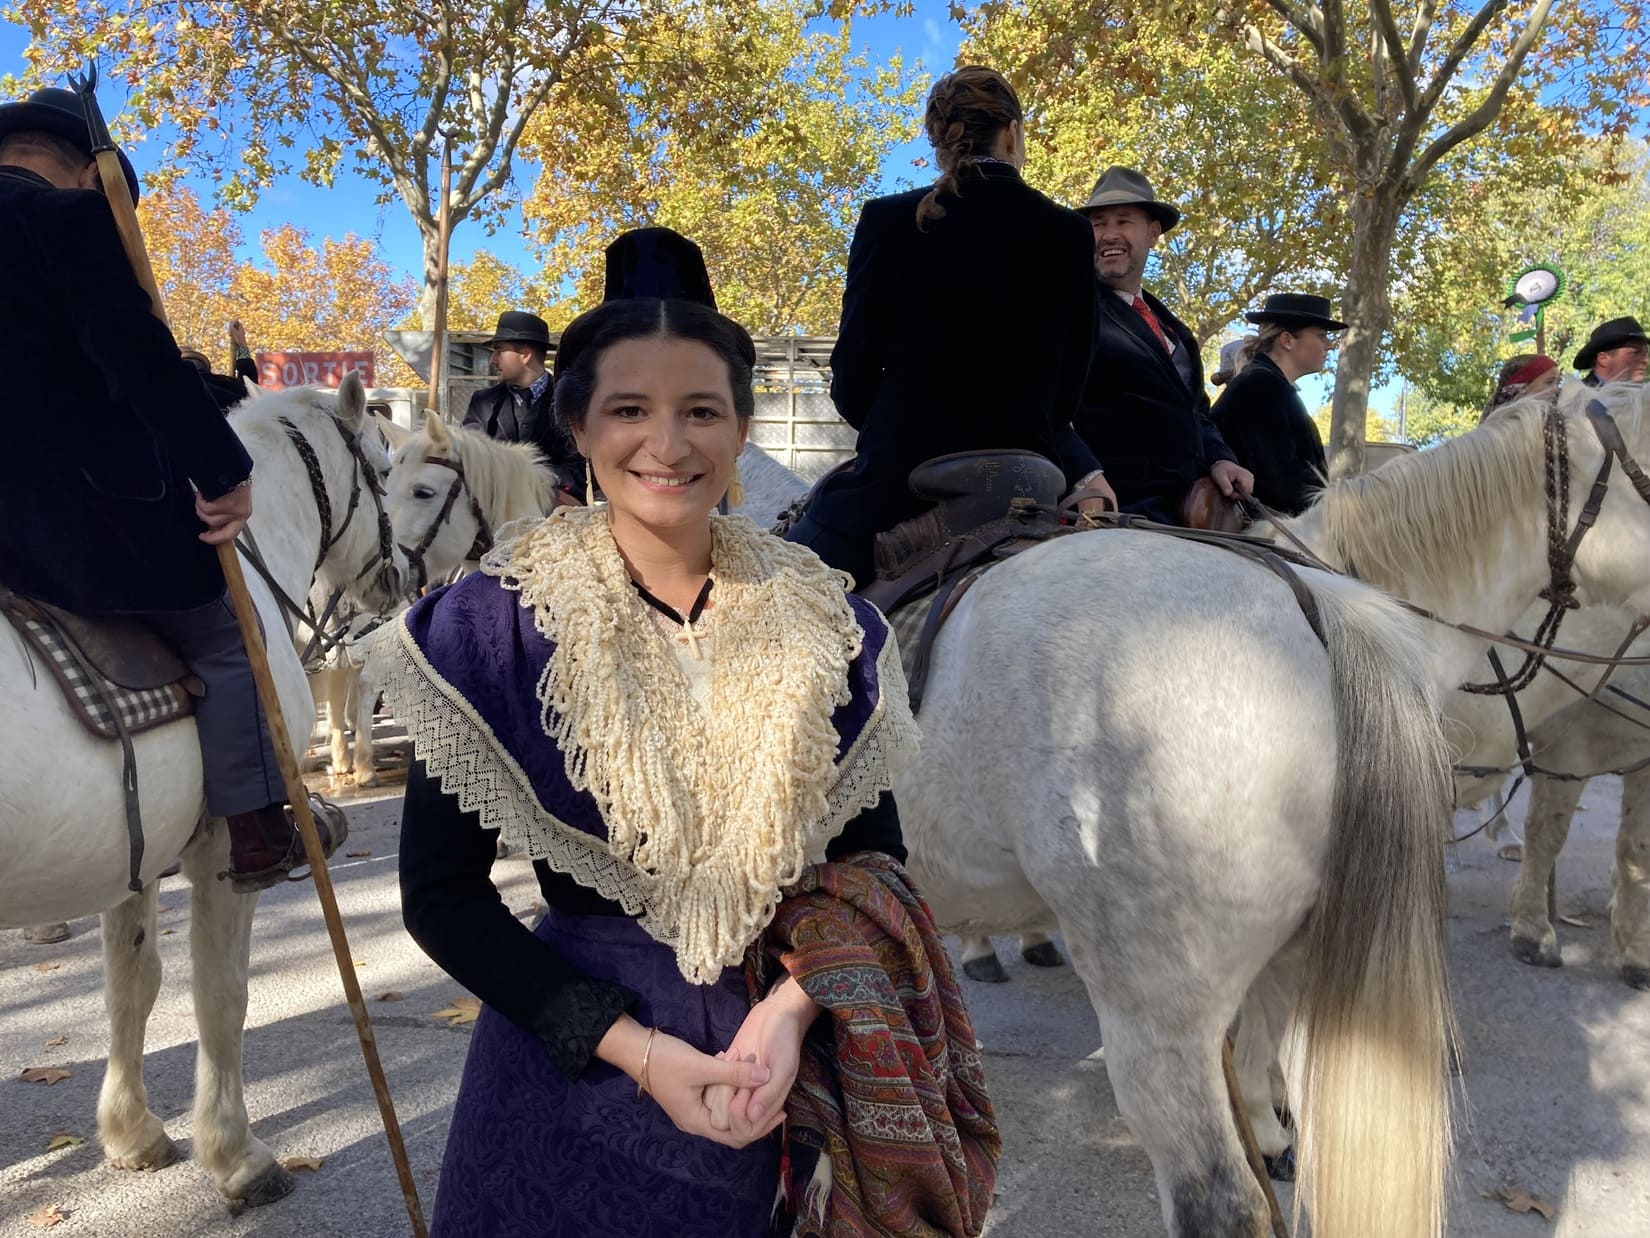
(84, 83)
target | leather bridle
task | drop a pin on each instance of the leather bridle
(484, 533)
(362, 471)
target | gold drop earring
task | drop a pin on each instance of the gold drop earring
(589, 483)
(736, 488)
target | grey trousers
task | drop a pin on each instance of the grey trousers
(237, 756)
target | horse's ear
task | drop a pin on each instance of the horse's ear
(393, 434)
(352, 400)
(435, 429)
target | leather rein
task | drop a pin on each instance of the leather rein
(484, 533)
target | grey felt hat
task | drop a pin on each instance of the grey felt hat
(1119, 186)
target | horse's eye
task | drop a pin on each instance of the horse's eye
(422, 493)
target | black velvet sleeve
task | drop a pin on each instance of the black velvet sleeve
(453, 911)
(875, 829)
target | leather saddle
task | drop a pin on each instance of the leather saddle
(987, 506)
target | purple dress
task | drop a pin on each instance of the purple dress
(532, 1155)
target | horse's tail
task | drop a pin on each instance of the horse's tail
(1374, 1117)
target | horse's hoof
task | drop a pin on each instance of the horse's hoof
(1533, 953)
(1281, 1168)
(987, 970)
(273, 1184)
(46, 934)
(1635, 977)
(1043, 954)
(158, 1155)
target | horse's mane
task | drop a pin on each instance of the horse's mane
(1415, 526)
(510, 480)
(1418, 525)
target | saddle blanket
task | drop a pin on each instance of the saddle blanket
(91, 695)
(909, 618)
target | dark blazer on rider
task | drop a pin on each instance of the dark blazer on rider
(107, 428)
(973, 334)
(494, 411)
(1147, 423)
(1263, 419)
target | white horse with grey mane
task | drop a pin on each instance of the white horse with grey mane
(63, 843)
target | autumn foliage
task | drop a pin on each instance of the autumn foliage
(340, 294)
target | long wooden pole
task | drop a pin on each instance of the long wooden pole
(131, 236)
(443, 241)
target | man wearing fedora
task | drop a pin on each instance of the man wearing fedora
(1616, 352)
(125, 476)
(1262, 417)
(1145, 412)
(518, 408)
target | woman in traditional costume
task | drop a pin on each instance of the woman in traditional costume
(692, 729)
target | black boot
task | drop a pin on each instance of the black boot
(266, 849)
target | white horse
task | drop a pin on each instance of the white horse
(63, 845)
(452, 488)
(1573, 736)
(1143, 740)
(344, 696)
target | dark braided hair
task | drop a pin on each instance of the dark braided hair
(967, 110)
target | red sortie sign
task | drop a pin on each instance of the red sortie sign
(300, 369)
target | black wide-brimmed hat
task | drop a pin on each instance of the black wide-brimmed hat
(1296, 309)
(1608, 335)
(60, 113)
(644, 263)
(1120, 186)
(520, 327)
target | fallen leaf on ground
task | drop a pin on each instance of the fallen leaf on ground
(47, 966)
(167, 932)
(392, 996)
(1575, 922)
(45, 1074)
(310, 1163)
(55, 1041)
(1521, 1201)
(463, 1010)
(46, 1217)
(63, 1139)
(357, 855)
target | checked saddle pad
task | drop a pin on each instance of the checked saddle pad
(116, 675)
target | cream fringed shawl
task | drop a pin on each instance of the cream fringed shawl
(708, 813)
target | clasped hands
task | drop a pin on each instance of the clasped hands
(737, 1096)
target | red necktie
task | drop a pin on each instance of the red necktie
(1145, 311)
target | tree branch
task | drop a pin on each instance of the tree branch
(1352, 117)
(1458, 52)
(1397, 61)
(1481, 116)
(1305, 17)
(1420, 33)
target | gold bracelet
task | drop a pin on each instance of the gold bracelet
(647, 1051)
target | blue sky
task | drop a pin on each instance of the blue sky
(928, 35)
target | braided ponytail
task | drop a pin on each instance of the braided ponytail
(967, 110)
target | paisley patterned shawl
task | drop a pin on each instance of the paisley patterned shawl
(889, 1127)
(462, 671)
